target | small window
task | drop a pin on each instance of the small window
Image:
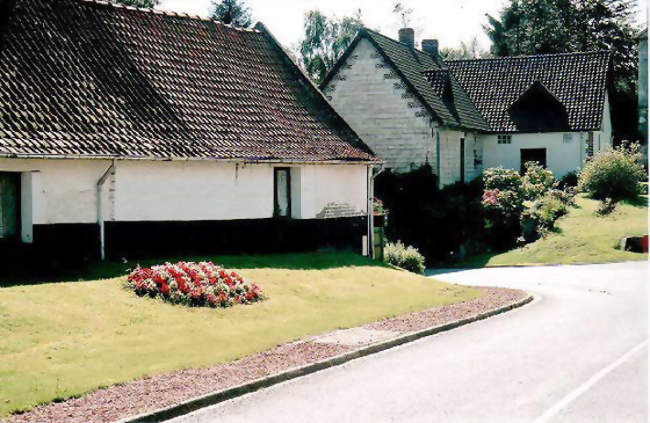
(567, 138)
(282, 185)
(504, 139)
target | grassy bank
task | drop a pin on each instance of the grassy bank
(59, 340)
(580, 237)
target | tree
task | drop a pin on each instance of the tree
(232, 12)
(138, 3)
(471, 50)
(563, 26)
(325, 41)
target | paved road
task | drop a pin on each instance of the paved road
(578, 353)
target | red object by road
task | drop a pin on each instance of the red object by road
(644, 243)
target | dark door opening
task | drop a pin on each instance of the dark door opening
(462, 160)
(9, 205)
(533, 155)
(282, 188)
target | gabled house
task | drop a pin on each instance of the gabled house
(413, 108)
(127, 131)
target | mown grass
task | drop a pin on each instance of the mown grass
(580, 237)
(59, 340)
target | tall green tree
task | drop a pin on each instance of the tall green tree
(138, 3)
(563, 26)
(232, 12)
(325, 41)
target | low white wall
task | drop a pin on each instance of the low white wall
(561, 157)
(450, 156)
(64, 191)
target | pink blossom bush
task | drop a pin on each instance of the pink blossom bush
(194, 284)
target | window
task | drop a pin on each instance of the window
(504, 139)
(282, 187)
(567, 138)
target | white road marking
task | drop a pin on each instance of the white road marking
(551, 412)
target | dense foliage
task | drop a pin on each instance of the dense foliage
(232, 12)
(563, 26)
(325, 41)
(408, 258)
(613, 173)
(194, 284)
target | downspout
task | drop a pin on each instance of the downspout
(100, 207)
(372, 172)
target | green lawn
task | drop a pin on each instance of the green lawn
(581, 237)
(59, 340)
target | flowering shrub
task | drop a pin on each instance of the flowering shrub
(536, 180)
(613, 173)
(408, 258)
(540, 216)
(194, 284)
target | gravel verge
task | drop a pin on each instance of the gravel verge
(121, 401)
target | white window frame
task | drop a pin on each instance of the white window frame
(504, 139)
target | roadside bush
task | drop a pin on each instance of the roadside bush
(501, 179)
(614, 173)
(407, 258)
(536, 180)
(193, 284)
(503, 203)
(540, 216)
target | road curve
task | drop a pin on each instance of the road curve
(578, 353)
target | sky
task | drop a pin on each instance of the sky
(449, 21)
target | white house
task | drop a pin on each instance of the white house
(412, 108)
(135, 132)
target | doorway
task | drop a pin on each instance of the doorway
(533, 155)
(9, 205)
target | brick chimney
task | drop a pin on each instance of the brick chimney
(407, 36)
(431, 47)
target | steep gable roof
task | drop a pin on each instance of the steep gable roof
(410, 65)
(577, 80)
(87, 78)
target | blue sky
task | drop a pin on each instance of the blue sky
(450, 21)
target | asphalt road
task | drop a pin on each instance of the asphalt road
(578, 353)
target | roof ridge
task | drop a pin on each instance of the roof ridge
(153, 11)
(395, 41)
(529, 56)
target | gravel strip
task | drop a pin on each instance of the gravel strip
(120, 401)
(491, 298)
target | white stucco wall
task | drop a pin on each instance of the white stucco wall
(604, 136)
(64, 191)
(450, 156)
(561, 157)
(323, 185)
(382, 111)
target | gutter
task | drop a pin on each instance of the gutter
(100, 207)
(373, 172)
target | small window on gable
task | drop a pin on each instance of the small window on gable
(567, 138)
(504, 139)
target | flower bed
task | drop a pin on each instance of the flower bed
(194, 284)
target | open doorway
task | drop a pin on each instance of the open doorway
(9, 206)
(533, 155)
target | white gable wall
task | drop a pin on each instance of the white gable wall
(381, 111)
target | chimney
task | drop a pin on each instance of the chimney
(431, 47)
(407, 36)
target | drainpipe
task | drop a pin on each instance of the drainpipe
(372, 172)
(100, 207)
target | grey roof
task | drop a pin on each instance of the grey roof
(456, 110)
(577, 80)
(89, 78)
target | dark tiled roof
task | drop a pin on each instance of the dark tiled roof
(577, 80)
(92, 79)
(410, 64)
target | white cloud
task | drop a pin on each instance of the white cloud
(450, 21)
